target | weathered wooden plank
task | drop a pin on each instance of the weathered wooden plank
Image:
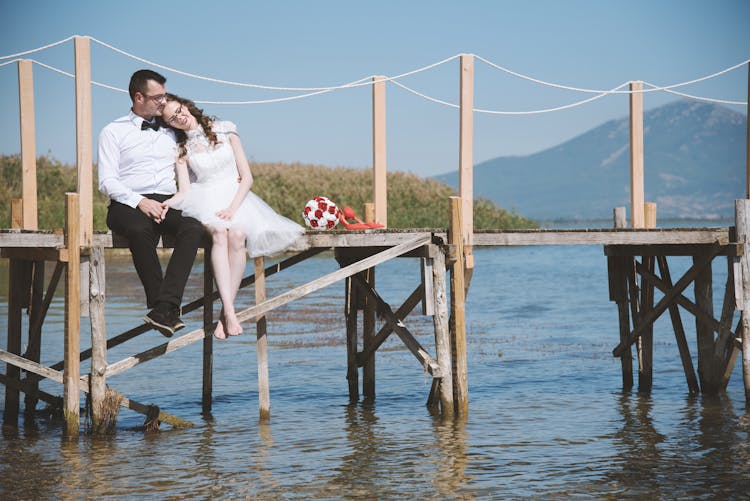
(351, 313)
(368, 334)
(333, 277)
(731, 249)
(646, 339)
(162, 349)
(10, 238)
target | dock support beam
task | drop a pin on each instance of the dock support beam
(97, 381)
(742, 286)
(458, 310)
(264, 394)
(72, 371)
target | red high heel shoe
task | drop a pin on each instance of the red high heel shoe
(348, 213)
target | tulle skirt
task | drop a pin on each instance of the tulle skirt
(267, 232)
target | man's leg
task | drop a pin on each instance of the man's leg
(142, 236)
(189, 234)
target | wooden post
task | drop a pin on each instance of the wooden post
(458, 309)
(442, 332)
(369, 212)
(98, 381)
(351, 298)
(747, 141)
(18, 294)
(264, 395)
(636, 155)
(618, 282)
(33, 352)
(208, 339)
(466, 163)
(646, 339)
(72, 370)
(379, 186)
(710, 378)
(84, 139)
(742, 286)
(649, 215)
(28, 144)
(368, 335)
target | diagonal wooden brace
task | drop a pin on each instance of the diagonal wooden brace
(670, 296)
(400, 329)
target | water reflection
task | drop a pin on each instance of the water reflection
(637, 445)
(451, 458)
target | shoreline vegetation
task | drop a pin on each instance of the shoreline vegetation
(413, 201)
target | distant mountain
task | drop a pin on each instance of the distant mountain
(694, 162)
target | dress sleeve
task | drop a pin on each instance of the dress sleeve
(226, 127)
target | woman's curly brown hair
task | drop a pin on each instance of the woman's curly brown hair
(205, 121)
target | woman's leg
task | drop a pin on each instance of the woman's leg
(237, 259)
(228, 324)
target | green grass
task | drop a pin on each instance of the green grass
(413, 201)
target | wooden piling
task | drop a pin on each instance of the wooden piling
(37, 311)
(97, 380)
(742, 286)
(618, 291)
(208, 339)
(458, 308)
(368, 339)
(442, 332)
(264, 394)
(350, 312)
(645, 341)
(72, 371)
(707, 371)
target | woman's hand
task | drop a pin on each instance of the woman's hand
(226, 214)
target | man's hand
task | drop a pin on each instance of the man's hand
(153, 209)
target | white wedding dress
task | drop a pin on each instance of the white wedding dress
(214, 174)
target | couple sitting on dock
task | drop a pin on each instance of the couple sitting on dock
(165, 136)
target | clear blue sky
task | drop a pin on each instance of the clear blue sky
(592, 44)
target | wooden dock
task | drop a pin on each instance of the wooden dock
(637, 255)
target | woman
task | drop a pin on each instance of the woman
(210, 158)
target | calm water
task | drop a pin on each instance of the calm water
(547, 416)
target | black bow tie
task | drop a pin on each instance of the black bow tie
(148, 125)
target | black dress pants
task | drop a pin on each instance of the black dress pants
(143, 236)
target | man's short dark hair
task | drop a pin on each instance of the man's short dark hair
(139, 79)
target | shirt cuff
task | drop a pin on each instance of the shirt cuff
(134, 200)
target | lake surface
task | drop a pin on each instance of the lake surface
(547, 416)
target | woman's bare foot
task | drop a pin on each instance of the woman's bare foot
(219, 332)
(232, 325)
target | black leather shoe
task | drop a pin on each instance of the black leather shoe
(175, 317)
(162, 321)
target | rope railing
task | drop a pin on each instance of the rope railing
(366, 81)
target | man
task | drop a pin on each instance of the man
(136, 172)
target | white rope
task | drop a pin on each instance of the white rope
(595, 91)
(10, 62)
(37, 49)
(357, 83)
(71, 75)
(699, 98)
(495, 112)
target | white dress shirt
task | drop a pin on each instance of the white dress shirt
(133, 162)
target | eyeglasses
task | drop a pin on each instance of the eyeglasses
(177, 113)
(156, 98)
